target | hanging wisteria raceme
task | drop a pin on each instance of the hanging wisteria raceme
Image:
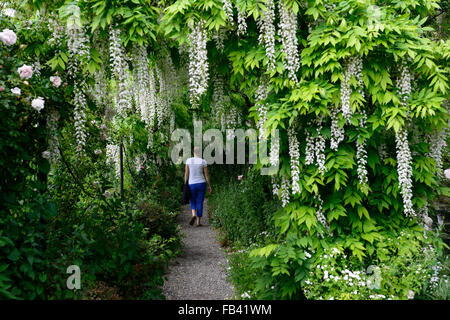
(337, 133)
(53, 142)
(162, 101)
(315, 147)
(120, 69)
(285, 196)
(219, 37)
(275, 185)
(361, 156)
(320, 148)
(352, 68)
(218, 98)
(274, 151)
(261, 94)
(144, 86)
(267, 32)
(437, 143)
(403, 84)
(242, 21)
(171, 85)
(198, 63)
(99, 91)
(113, 157)
(427, 222)
(78, 49)
(404, 158)
(310, 149)
(80, 117)
(404, 170)
(294, 153)
(319, 213)
(228, 8)
(288, 34)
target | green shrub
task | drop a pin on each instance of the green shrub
(243, 210)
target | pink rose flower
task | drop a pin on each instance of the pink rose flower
(56, 81)
(8, 37)
(239, 177)
(25, 72)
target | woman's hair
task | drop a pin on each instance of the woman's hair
(196, 150)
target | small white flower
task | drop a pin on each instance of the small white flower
(16, 91)
(38, 104)
(8, 37)
(107, 194)
(98, 151)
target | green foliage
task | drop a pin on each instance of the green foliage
(243, 210)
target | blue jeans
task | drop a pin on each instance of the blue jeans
(198, 191)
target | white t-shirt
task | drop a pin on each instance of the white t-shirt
(196, 166)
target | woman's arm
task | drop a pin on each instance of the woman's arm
(205, 171)
(186, 174)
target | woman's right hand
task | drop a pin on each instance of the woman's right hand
(209, 189)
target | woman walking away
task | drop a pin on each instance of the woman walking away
(196, 171)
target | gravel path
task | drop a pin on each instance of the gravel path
(199, 273)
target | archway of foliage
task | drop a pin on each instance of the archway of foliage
(358, 92)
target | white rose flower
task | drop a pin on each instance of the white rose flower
(25, 72)
(56, 80)
(447, 173)
(16, 91)
(38, 104)
(8, 37)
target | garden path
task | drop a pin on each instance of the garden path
(199, 273)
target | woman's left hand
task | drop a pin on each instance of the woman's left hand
(209, 189)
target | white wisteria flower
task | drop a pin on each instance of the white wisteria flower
(285, 186)
(16, 91)
(352, 68)
(288, 35)
(198, 63)
(8, 37)
(38, 104)
(294, 153)
(267, 32)
(228, 8)
(25, 72)
(242, 23)
(404, 170)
